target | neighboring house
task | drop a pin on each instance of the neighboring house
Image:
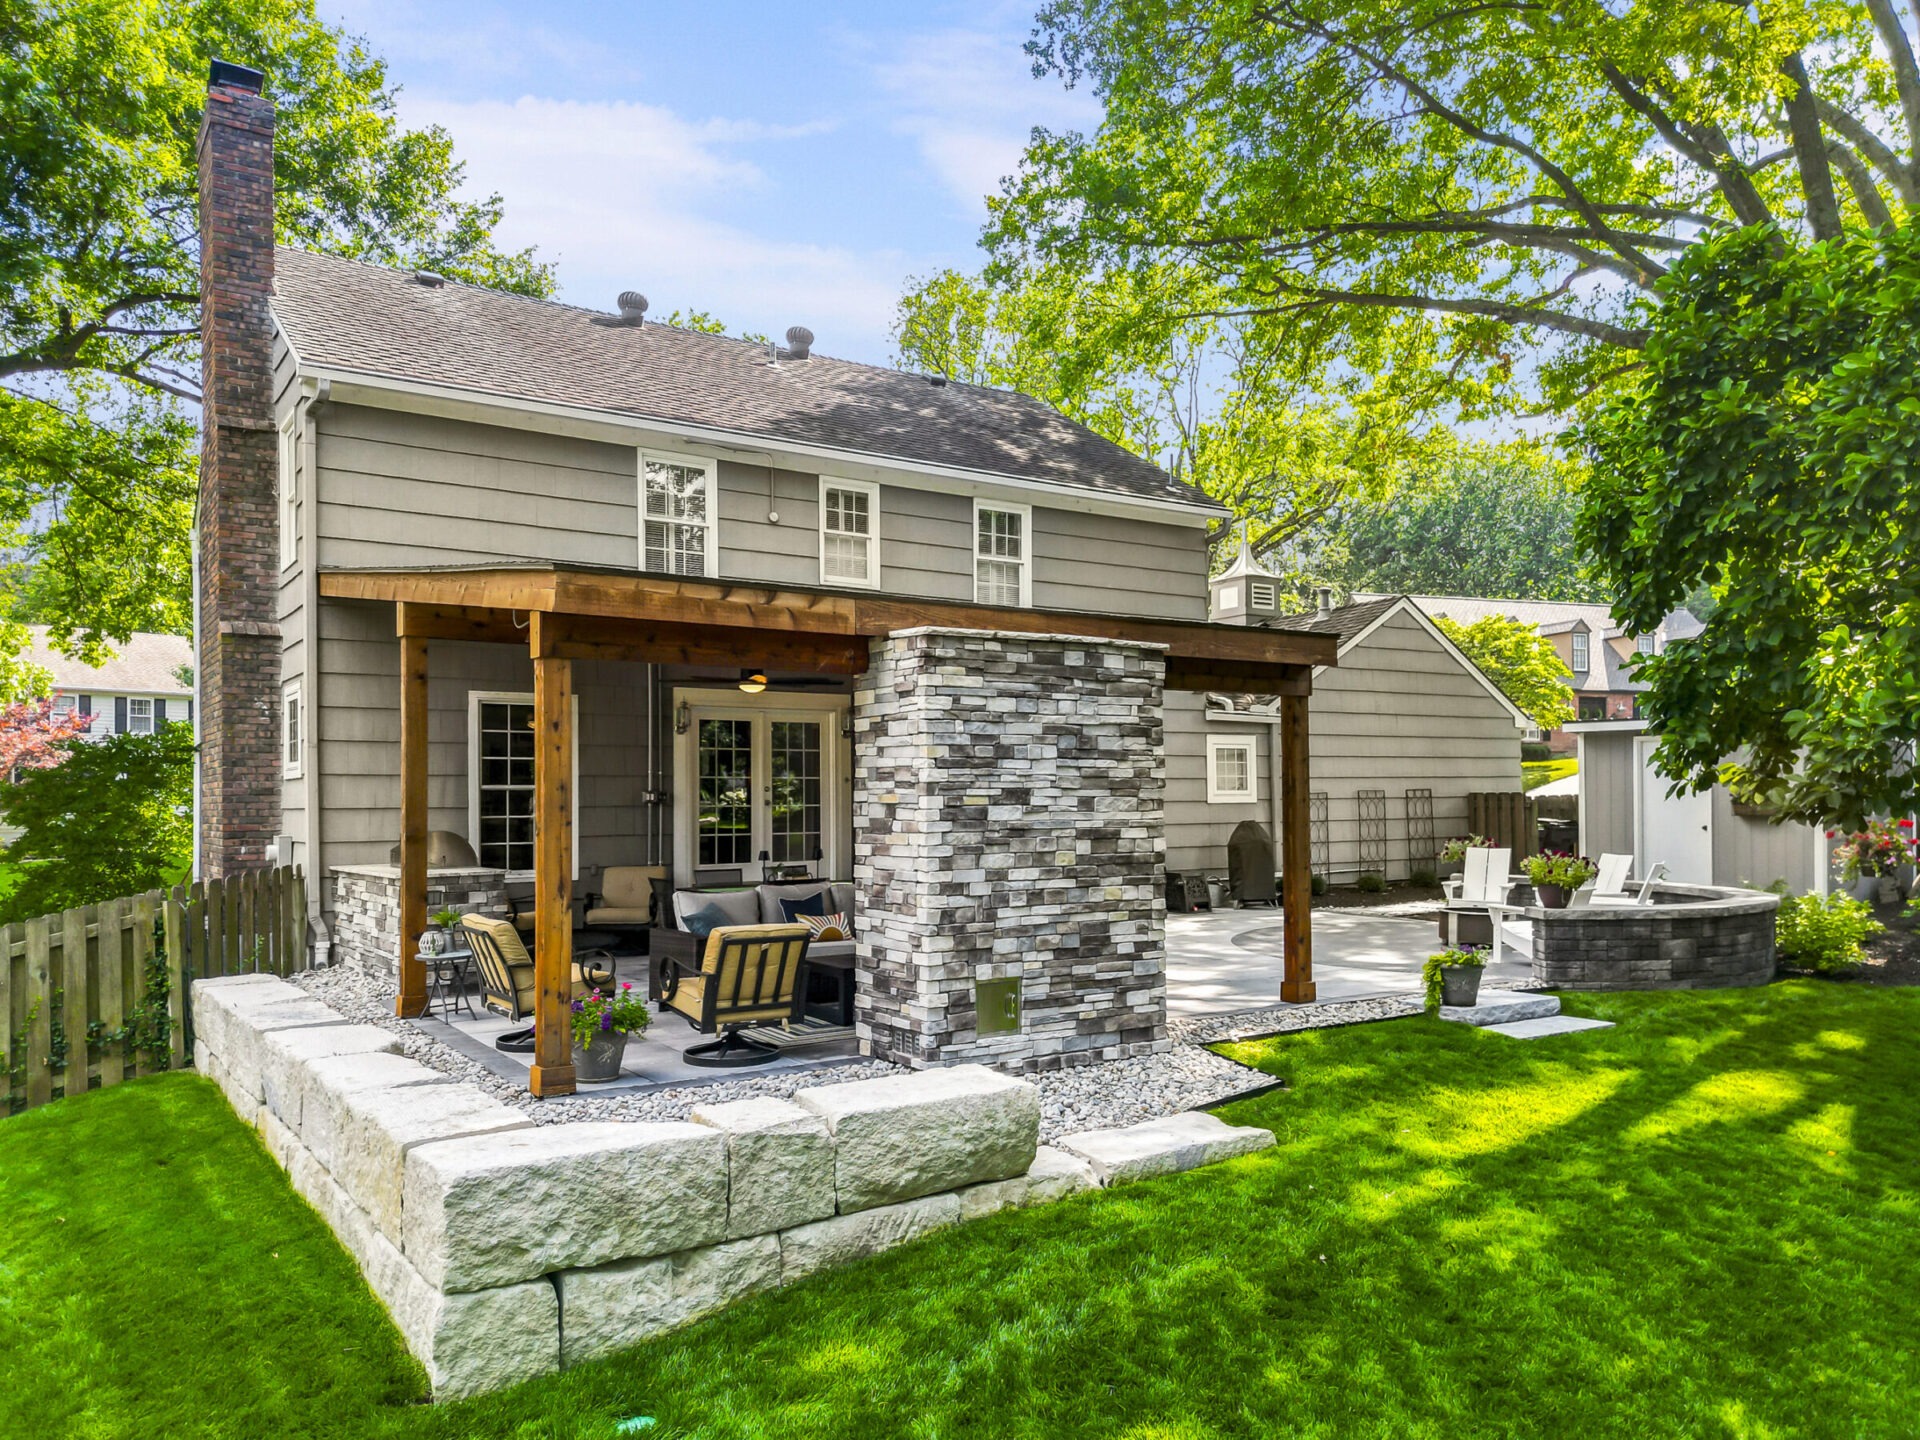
(1705, 839)
(134, 692)
(590, 591)
(1597, 651)
(1400, 734)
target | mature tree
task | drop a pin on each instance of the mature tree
(113, 817)
(1522, 663)
(1493, 521)
(100, 103)
(33, 735)
(1466, 205)
(1769, 450)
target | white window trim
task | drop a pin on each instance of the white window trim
(1025, 512)
(153, 721)
(514, 697)
(290, 700)
(288, 491)
(1581, 646)
(711, 468)
(1218, 796)
(872, 492)
(70, 701)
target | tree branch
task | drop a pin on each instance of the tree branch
(1810, 151)
(1510, 312)
(1906, 79)
(1866, 194)
(1871, 148)
(1718, 160)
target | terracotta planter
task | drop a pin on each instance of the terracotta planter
(1552, 897)
(1460, 984)
(600, 1060)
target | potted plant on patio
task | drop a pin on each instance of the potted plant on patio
(1452, 977)
(601, 1025)
(1870, 859)
(1555, 876)
(1453, 854)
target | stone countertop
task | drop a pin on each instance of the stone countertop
(1679, 902)
(392, 872)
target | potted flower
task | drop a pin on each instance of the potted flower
(1870, 858)
(1453, 854)
(437, 938)
(1555, 876)
(601, 1025)
(1452, 977)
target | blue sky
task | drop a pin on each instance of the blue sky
(771, 164)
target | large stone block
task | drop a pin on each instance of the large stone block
(1054, 1175)
(827, 1244)
(611, 1307)
(1503, 1007)
(1163, 1147)
(235, 1019)
(285, 1054)
(903, 1136)
(216, 1002)
(493, 1209)
(325, 1085)
(780, 1164)
(378, 1127)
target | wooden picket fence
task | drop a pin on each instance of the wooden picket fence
(1507, 818)
(99, 994)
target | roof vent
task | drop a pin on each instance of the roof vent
(1324, 594)
(429, 279)
(936, 380)
(633, 307)
(799, 342)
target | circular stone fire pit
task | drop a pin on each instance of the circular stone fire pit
(1692, 937)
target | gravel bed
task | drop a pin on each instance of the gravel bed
(1121, 1092)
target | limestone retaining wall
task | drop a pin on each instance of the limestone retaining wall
(505, 1250)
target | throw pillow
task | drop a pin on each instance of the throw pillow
(828, 927)
(815, 904)
(702, 922)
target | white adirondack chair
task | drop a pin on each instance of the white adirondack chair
(1610, 887)
(1483, 886)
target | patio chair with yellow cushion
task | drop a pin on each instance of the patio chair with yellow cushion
(625, 898)
(506, 974)
(748, 975)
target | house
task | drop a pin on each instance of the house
(587, 590)
(1598, 652)
(1401, 732)
(1707, 838)
(145, 684)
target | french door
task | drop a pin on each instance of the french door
(760, 785)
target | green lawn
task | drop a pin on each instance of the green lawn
(1704, 1222)
(1535, 773)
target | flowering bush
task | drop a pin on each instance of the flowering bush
(1880, 849)
(1811, 933)
(1455, 850)
(1550, 867)
(598, 1014)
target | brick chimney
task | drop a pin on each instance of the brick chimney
(237, 637)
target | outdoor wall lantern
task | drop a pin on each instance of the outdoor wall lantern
(682, 718)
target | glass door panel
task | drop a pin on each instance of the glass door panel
(793, 791)
(724, 815)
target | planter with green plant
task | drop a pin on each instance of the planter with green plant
(1452, 977)
(1453, 854)
(1555, 876)
(601, 1025)
(438, 938)
(1871, 858)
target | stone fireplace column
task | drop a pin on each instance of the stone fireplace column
(1010, 847)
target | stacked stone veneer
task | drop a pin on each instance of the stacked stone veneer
(506, 1250)
(1009, 804)
(365, 900)
(1698, 938)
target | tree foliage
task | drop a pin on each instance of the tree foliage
(1526, 667)
(100, 104)
(1459, 204)
(113, 817)
(33, 736)
(1768, 451)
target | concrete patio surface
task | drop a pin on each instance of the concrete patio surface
(1230, 959)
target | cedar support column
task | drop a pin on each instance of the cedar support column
(552, 864)
(1296, 854)
(412, 996)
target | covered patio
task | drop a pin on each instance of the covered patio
(1095, 666)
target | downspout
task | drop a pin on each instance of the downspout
(199, 705)
(1273, 787)
(320, 925)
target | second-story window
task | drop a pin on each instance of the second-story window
(1002, 572)
(1579, 652)
(849, 532)
(139, 716)
(290, 490)
(677, 504)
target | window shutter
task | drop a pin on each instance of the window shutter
(159, 712)
(86, 705)
(119, 714)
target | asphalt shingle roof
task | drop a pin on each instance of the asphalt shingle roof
(145, 665)
(354, 316)
(1346, 621)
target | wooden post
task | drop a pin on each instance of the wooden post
(1296, 855)
(552, 866)
(412, 997)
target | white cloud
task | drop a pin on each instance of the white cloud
(625, 195)
(969, 100)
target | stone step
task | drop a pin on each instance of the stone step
(1502, 1007)
(1163, 1147)
(1547, 1025)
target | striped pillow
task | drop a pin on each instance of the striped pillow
(826, 927)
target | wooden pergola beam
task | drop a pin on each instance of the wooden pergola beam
(552, 1072)
(411, 998)
(1296, 855)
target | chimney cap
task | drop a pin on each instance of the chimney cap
(236, 77)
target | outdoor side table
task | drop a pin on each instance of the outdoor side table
(448, 974)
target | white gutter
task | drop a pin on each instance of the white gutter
(353, 387)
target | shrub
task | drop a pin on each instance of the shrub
(1424, 878)
(1318, 884)
(1371, 882)
(1535, 751)
(1824, 935)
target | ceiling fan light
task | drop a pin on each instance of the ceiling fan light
(753, 681)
